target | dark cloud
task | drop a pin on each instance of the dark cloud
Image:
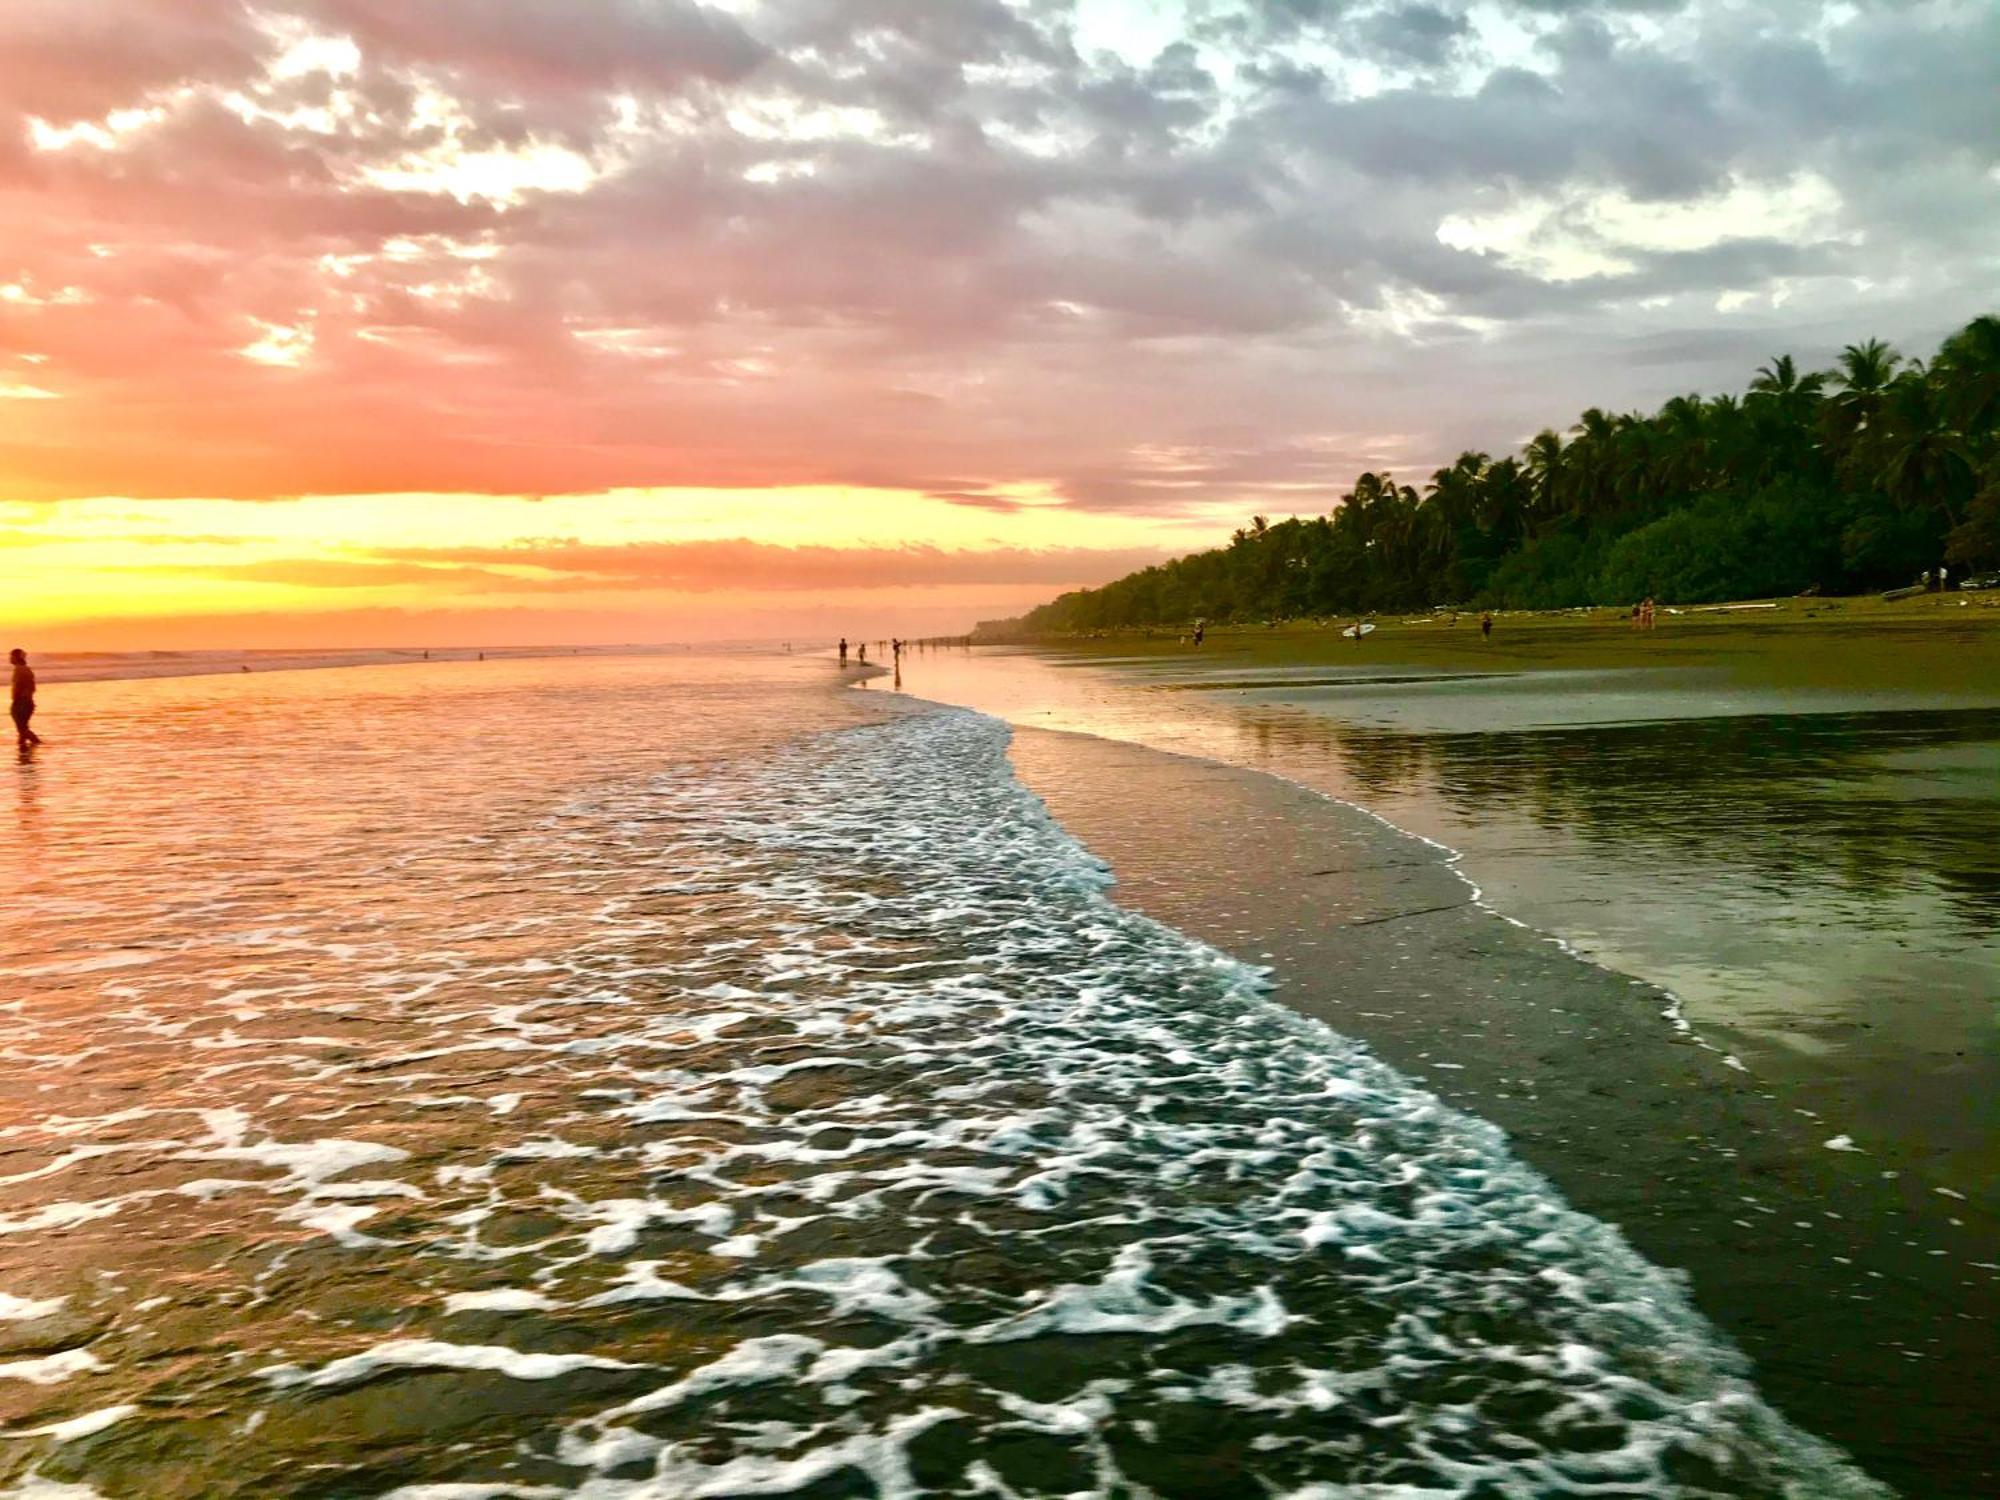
(884, 241)
(1422, 34)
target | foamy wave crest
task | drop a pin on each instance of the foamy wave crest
(974, 1183)
(810, 1123)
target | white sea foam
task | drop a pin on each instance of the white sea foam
(508, 1299)
(51, 1369)
(14, 1309)
(826, 1122)
(431, 1354)
(88, 1425)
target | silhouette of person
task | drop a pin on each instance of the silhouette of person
(1486, 626)
(843, 651)
(23, 705)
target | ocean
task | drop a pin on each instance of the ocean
(683, 1076)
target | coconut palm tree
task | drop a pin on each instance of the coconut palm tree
(1970, 363)
(1863, 377)
(1918, 456)
(1590, 463)
(1543, 459)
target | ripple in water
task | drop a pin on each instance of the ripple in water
(810, 1125)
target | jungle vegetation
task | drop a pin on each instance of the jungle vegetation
(1845, 480)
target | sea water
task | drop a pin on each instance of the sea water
(688, 1078)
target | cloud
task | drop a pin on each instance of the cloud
(500, 245)
(746, 566)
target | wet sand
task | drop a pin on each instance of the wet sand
(1866, 1302)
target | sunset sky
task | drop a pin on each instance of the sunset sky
(505, 321)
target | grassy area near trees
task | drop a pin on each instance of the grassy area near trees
(1846, 480)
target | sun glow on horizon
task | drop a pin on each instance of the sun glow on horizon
(724, 558)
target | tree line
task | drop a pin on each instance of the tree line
(1850, 479)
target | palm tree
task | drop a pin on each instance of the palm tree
(1864, 375)
(1684, 468)
(1507, 499)
(1970, 361)
(1917, 454)
(1590, 463)
(1543, 460)
(1782, 405)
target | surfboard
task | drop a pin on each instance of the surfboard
(1355, 632)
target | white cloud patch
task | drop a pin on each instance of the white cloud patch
(286, 346)
(1608, 234)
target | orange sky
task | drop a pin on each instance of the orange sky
(624, 566)
(507, 321)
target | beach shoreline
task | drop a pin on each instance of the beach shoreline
(59, 667)
(1864, 1311)
(1849, 642)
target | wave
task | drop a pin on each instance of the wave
(1029, 1173)
(814, 1121)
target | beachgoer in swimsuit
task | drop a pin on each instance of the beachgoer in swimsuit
(23, 705)
(1486, 626)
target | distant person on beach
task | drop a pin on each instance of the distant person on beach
(1486, 626)
(23, 705)
(861, 653)
(843, 651)
(1200, 629)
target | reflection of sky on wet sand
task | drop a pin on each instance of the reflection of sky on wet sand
(1817, 875)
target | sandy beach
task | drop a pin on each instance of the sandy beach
(1709, 935)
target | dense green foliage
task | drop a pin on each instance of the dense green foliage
(1856, 478)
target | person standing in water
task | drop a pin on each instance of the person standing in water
(1486, 626)
(843, 651)
(23, 705)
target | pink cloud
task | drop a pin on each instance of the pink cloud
(735, 566)
(515, 246)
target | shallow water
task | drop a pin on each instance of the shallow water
(1814, 874)
(657, 1078)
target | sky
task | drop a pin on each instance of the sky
(516, 321)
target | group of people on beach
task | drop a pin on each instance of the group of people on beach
(897, 647)
(1642, 614)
